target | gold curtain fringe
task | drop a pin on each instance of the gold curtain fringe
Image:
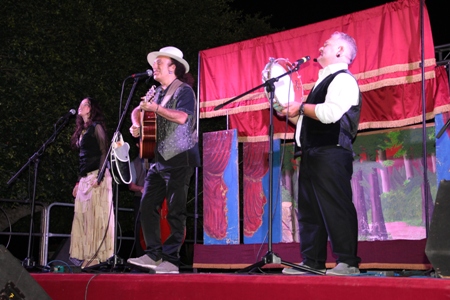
(403, 122)
(236, 110)
(396, 81)
(395, 68)
(368, 125)
(260, 106)
(214, 103)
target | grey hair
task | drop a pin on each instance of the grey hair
(349, 41)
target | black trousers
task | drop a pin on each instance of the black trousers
(325, 206)
(138, 251)
(172, 185)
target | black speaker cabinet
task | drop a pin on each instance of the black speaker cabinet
(438, 242)
(15, 281)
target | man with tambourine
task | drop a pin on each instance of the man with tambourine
(326, 126)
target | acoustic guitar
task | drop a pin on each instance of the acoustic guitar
(147, 142)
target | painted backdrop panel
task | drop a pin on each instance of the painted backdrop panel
(220, 188)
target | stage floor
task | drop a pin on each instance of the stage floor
(394, 255)
(390, 270)
(268, 285)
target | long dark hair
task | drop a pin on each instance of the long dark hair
(180, 73)
(95, 116)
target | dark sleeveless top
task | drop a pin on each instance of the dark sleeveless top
(90, 156)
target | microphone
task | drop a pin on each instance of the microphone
(302, 60)
(70, 113)
(147, 73)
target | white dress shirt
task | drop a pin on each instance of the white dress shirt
(343, 93)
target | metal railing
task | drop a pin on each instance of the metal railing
(24, 202)
(45, 233)
(442, 54)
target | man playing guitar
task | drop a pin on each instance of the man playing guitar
(175, 156)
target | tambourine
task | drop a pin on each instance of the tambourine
(288, 88)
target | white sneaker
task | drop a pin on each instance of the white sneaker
(343, 269)
(167, 268)
(293, 271)
(144, 261)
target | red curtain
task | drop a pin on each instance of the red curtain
(256, 165)
(387, 68)
(216, 155)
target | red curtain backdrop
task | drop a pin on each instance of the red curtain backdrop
(256, 165)
(216, 155)
(387, 68)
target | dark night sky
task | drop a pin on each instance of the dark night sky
(290, 14)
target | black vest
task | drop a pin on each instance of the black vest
(343, 132)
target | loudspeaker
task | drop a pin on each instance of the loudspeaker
(438, 241)
(62, 257)
(62, 253)
(15, 281)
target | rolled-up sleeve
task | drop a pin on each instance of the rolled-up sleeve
(343, 93)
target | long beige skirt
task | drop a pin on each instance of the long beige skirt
(93, 222)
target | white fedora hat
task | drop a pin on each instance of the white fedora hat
(171, 52)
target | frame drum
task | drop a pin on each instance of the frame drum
(288, 88)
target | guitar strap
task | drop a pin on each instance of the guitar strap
(172, 88)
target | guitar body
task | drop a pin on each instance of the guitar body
(147, 142)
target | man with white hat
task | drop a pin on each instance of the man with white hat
(176, 154)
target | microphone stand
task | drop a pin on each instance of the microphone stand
(443, 129)
(270, 257)
(29, 262)
(115, 260)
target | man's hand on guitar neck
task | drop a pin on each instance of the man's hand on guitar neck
(149, 106)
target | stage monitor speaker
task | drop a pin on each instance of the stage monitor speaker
(438, 241)
(62, 253)
(15, 281)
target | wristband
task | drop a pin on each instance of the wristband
(301, 110)
(157, 109)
